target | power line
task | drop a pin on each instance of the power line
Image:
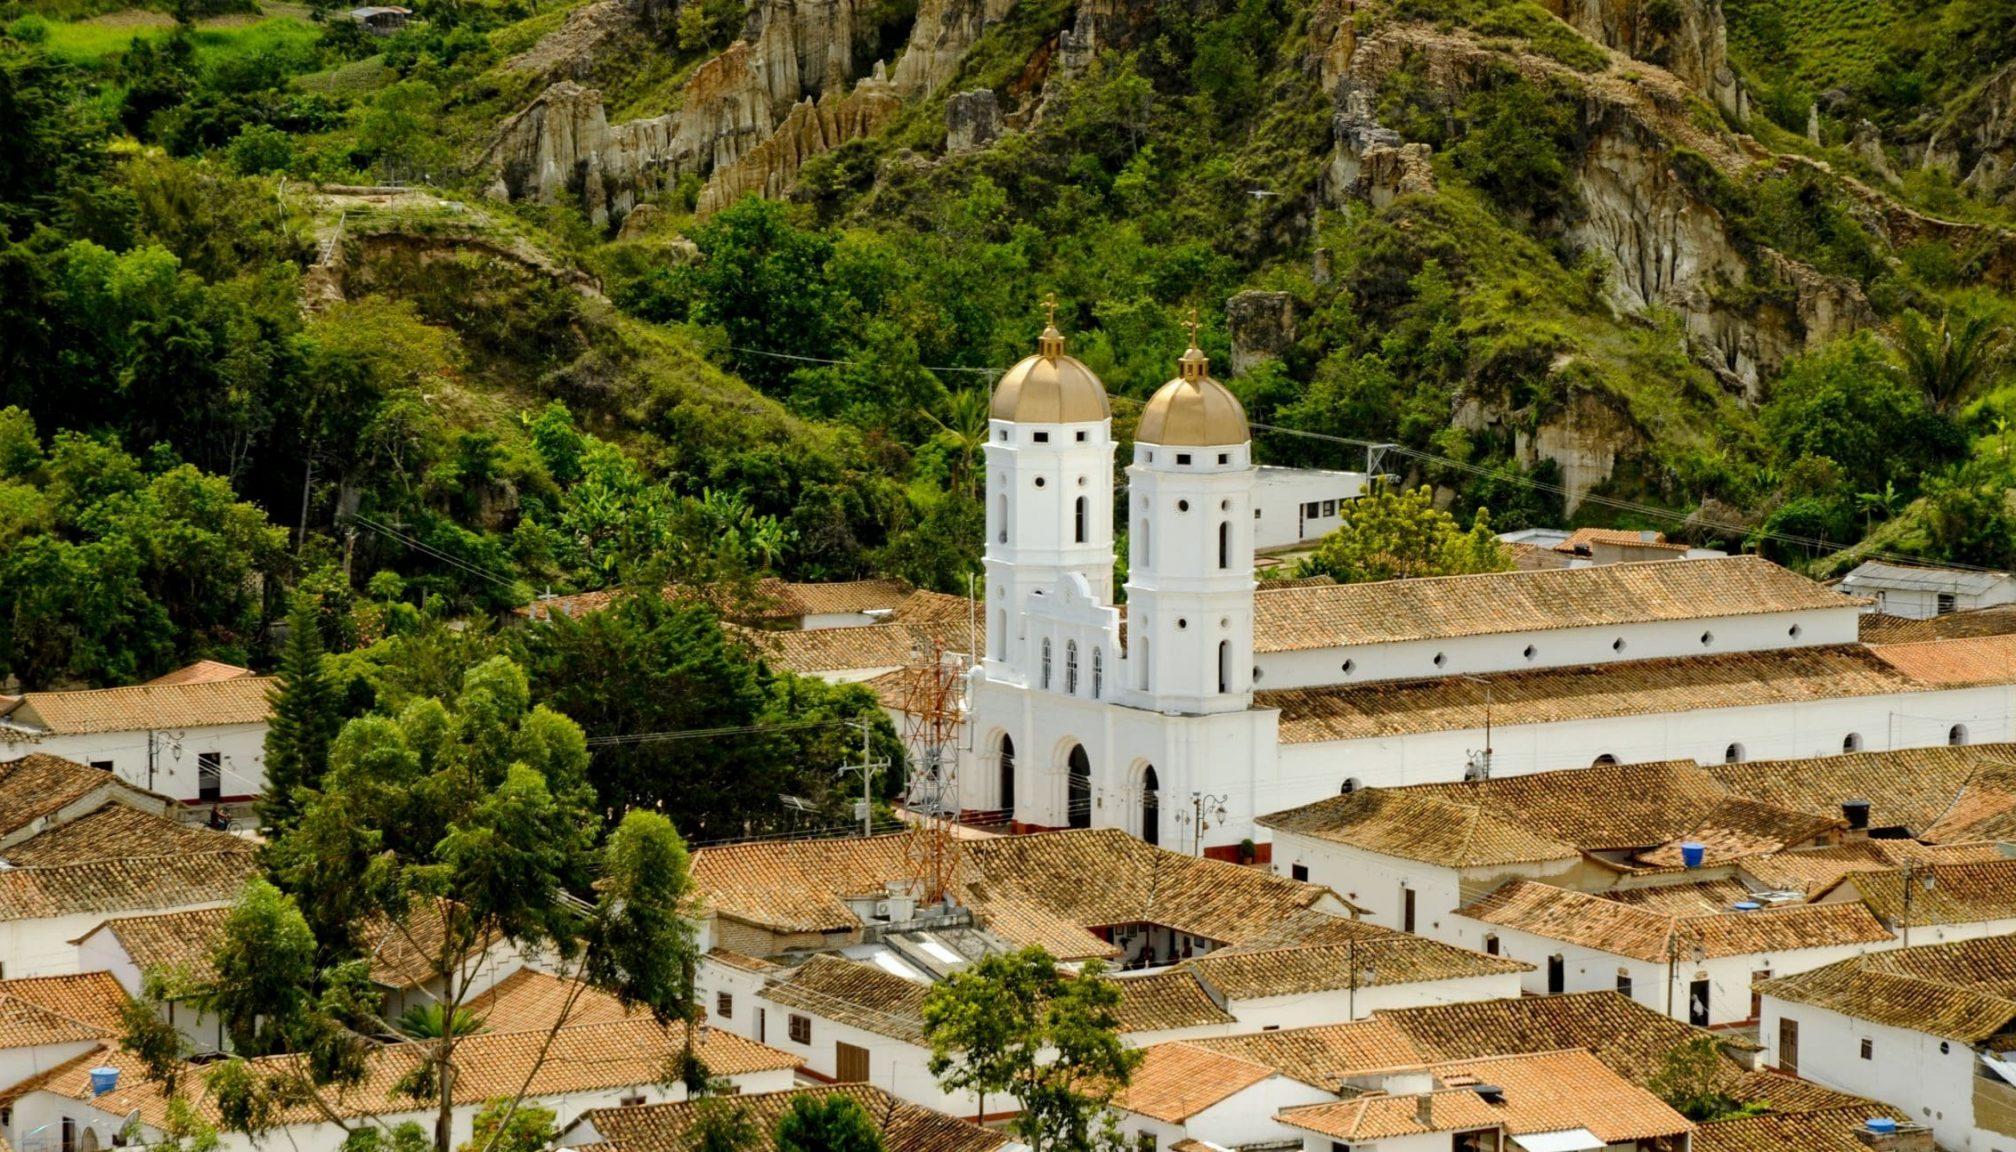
(854, 363)
(427, 549)
(709, 733)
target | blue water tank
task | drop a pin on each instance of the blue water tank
(1691, 854)
(104, 1079)
(1747, 905)
(1882, 1126)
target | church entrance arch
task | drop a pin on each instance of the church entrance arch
(1078, 787)
(1151, 805)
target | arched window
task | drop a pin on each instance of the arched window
(1098, 672)
(1071, 667)
(1151, 802)
(1606, 760)
(1001, 514)
(1851, 742)
(1082, 510)
(1224, 544)
(1078, 788)
(1956, 735)
(1007, 774)
(1733, 754)
(1349, 786)
(1224, 666)
(1046, 662)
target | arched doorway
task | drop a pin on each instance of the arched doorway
(1007, 762)
(1151, 804)
(1078, 791)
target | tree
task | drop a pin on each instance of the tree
(763, 280)
(454, 826)
(1018, 1024)
(1944, 361)
(722, 1124)
(1390, 535)
(305, 718)
(1693, 1078)
(1846, 403)
(503, 1128)
(827, 1122)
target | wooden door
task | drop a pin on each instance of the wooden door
(850, 1064)
(1788, 1046)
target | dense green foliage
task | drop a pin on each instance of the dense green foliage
(827, 1123)
(1389, 535)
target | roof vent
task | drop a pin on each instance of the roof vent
(1693, 853)
(1747, 905)
(1856, 812)
(1491, 1093)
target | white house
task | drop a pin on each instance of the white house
(1924, 1029)
(47, 1021)
(40, 791)
(1692, 966)
(1919, 593)
(198, 741)
(587, 1067)
(1182, 1092)
(1933, 902)
(1302, 984)
(46, 907)
(1296, 507)
(904, 1127)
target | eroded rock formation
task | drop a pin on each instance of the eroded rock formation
(1686, 37)
(972, 120)
(809, 129)
(1261, 325)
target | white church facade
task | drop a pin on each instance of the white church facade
(1207, 701)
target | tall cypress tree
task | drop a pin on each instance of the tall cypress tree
(305, 719)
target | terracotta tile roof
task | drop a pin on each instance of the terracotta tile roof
(590, 1058)
(1909, 788)
(1814, 870)
(1020, 886)
(1940, 893)
(1167, 1000)
(1627, 1037)
(115, 832)
(1383, 957)
(1582, 540)
(1291, 619)
(1829, 1131)
(1178, 1080)
(1791, 1094)
(1420, 825)
(39, 784)
(1952, 663)
(1586, 692)
(1542, 1092)
(1965, 990)
(124, 885)
(1698, 898)
(861, 995)
(1648, 934)
(1739, 828)
(39, 1010)
(812, 651)
(202, 672)
(904, 1127)
(529, 999)
(410, 955)
(193, 705)
(180, 943)
(745, 963)
(1325, 1055)
(1881, 628)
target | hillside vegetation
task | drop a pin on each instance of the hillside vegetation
(1578, 282)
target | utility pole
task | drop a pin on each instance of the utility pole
(867, 768)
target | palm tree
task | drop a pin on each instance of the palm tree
(962, 430)
(1945, 360)
(423, 1022)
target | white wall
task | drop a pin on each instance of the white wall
(243, 747)
(711, 978)
(1244, 1118)
(42, 946)
(1343, 1005)
(19, 1063)
(1906, 1069)
(100, 951)
(1281, 497)
(898, 1068)
(1557, 648)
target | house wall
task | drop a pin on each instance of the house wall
(1906, 1069)
(1280, 499)
(19, 1063)
(42, 946)
(1590, 970)
(1309, 772)
(1377, 882)
(711, 978)
(1558, 648)
(243, 747)
(896, 1067)
(1340, 1006)
(1244, 1118)
(100, 951)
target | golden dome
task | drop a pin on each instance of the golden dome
(1193, 410)
(1050, 388)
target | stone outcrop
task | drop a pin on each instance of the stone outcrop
(1371, 163)
(570, 52)
(1261, 325)
(1687, 38)
(809, 129)
(944, 30)
(972, 120)
(1585, 439)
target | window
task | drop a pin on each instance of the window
(850, 1064)
(1955, 736)
(1001, 515)
(1329, 507)
(1617, 645)
(1040, 481)
(1224, 666)
(1007, 774)
(1407, 909)
(1794, 631)
(1868, 1048)
(1256, 513)
(1310, 509)
(724, 1005)
(1624, 982)
(1606, 760)
(1707, 638)
(1046, 662)
(1350, 785)
(209, 775)
(1697, 1002)
(1298, 872)
(1182, 458)
(102, 765)
(636, 1101)
(1080, 509)
(1788, 1045)
(1946, 604)
(1071, 667)
(1224, 544)
(1851, 742)
(1348, 667)
(1182, 505)
(799, 1027)
(1733, 754)
(69, 1139)
(1530, 652)
(1081, 437)
(1491, 944)
(1557, 975)
(1224, 457)
(1041, 437)
(1441, 658)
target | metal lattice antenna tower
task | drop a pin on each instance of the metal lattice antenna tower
(934, 718)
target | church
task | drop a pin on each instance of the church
(1207, 700)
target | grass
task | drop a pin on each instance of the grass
(88, 42)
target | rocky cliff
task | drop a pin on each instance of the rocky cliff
(1685, 37)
